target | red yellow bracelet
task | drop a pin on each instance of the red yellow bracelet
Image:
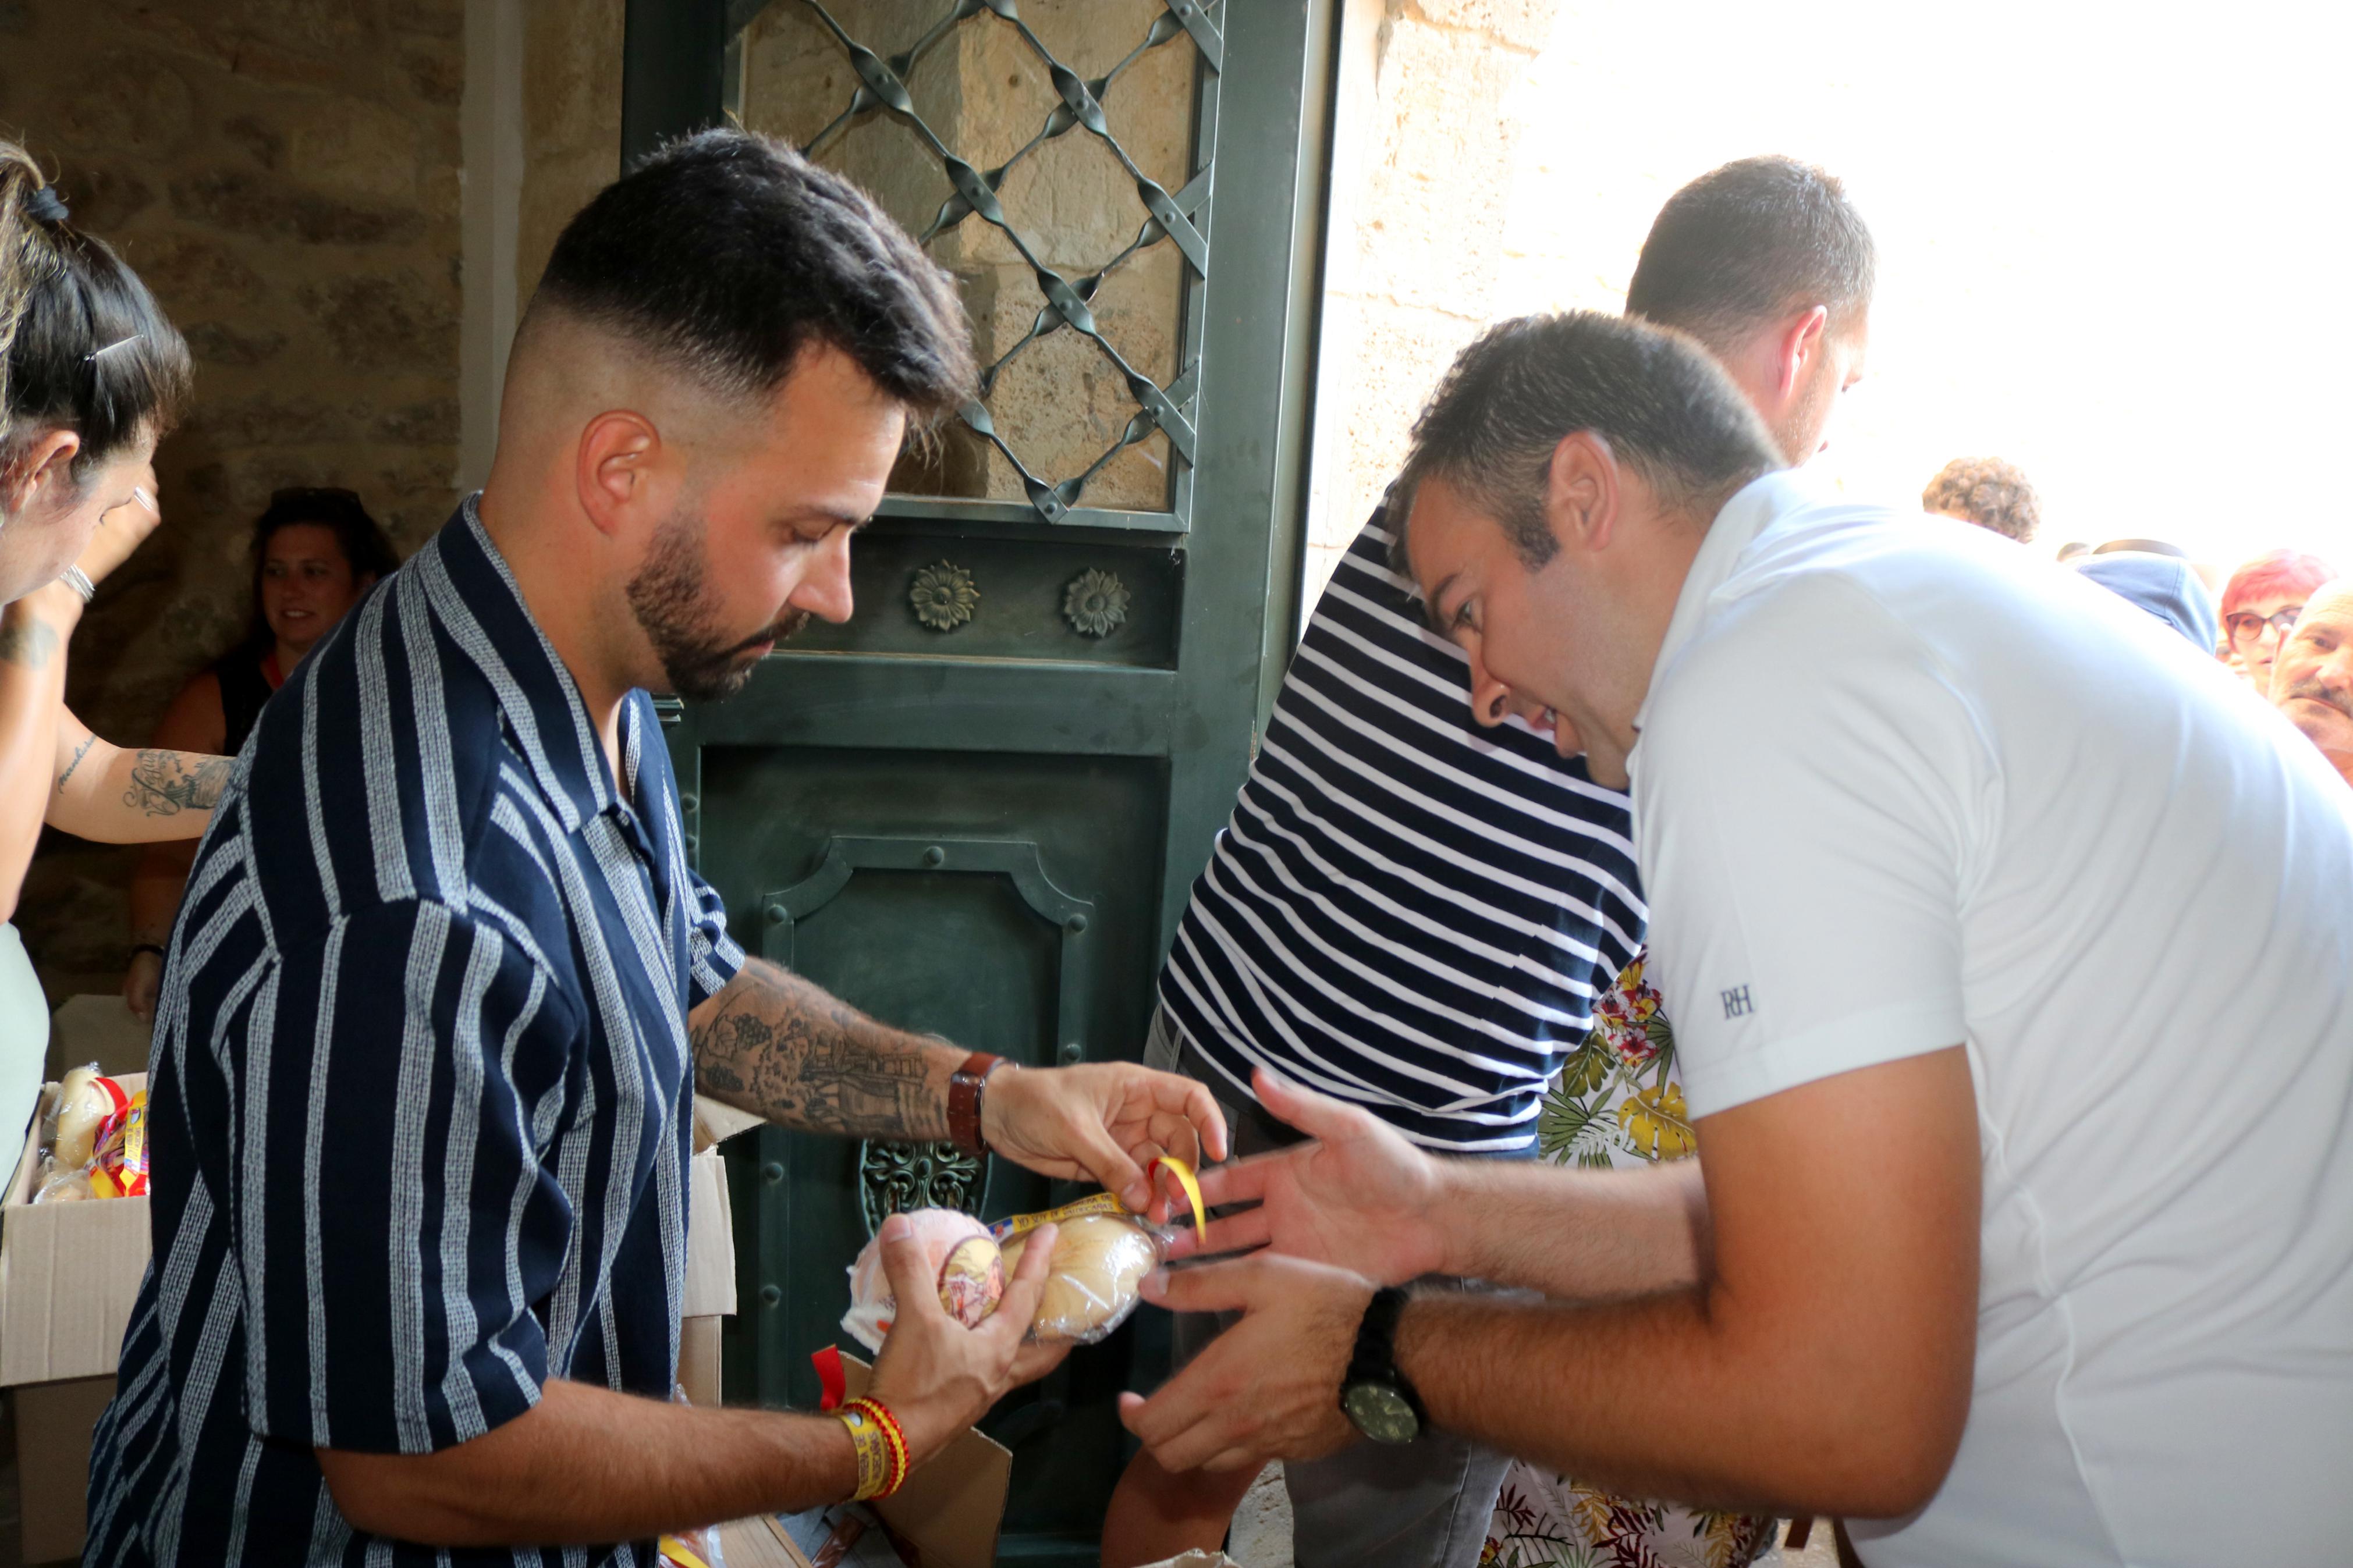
(880, 1447)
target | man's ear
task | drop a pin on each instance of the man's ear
(1800, 342)
(1582, 492)
(614, 468)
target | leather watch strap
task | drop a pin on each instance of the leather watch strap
(965, 1089)
(1373, 1358)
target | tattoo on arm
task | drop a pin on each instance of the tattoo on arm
(80, 753)
(778, 1045)
(164, 783)
(28, 642)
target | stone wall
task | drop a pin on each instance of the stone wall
(1432, 116)
(285, 176)
(570, 121)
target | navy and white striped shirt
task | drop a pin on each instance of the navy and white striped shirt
(420, 1091)
(1407, 910)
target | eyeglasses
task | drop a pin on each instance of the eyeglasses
(2246, 626)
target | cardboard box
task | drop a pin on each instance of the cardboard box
(709, 1276)
(69, 1276)
(69, 1272)
(945, 1516)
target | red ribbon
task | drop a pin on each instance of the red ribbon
(831, 1387)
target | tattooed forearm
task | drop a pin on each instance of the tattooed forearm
(164, 783)
(80, 753)
(775, 1044)
(27, 642)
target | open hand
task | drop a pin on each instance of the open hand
(934, 1375)
(1267, 1388)
(1359, 1196)
(1104, 1121)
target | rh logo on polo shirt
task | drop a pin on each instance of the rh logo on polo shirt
(1735, 1002)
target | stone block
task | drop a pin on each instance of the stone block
(219, 344)
(243, 202)
(124, 100)
(262, 141)
(334, 30)
(386, 321)
(350, 146)
(264, 59)
(105, 196)
(435, 71)
(199, 275)
(1524, 25)
(435, 18)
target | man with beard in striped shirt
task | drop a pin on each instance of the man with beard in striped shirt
(444, 979)
(1416, 904)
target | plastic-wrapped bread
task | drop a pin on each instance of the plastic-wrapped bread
(964, 1259)
(85, 1099)
(1096, 1278)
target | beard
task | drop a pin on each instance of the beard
(671, 599)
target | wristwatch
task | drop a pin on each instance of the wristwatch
(1374, 1394)
(965, 1089)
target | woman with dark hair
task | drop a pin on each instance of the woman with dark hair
(316, 552)
(94, 377)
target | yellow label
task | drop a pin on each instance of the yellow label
(1108, 1202)
(1183, 1174)
(1022, 1224)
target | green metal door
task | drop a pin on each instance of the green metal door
(977, 808)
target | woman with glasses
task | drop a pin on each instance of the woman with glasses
(2260, 605)
(316, 552)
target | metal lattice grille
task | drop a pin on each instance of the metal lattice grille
(1178, 218)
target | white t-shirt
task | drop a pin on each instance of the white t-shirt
(1899, 784)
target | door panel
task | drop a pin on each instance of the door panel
(974, 809)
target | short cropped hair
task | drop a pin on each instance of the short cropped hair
(2277, 572)
(87, 347)
(1749, 243)
(1665, 406)
(1988, 492)
(728, 254)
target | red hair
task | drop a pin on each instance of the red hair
(2282, 572)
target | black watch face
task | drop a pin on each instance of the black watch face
(1380, 1412)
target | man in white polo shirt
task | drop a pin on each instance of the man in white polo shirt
(2011, 1230)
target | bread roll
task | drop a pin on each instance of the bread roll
(1096, 1278)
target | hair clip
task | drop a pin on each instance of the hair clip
(43, 203)
(118, 343)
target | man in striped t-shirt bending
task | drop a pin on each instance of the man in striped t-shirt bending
(1418, 898)
(444, 979)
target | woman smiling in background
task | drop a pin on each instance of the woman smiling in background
(316, 552)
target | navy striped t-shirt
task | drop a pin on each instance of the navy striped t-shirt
(420, 1095)
(1407, 910)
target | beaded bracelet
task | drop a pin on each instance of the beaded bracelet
(877, 1461)
(881, 1417)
